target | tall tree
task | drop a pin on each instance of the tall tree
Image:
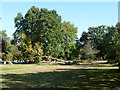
(109, 42)
(44, 27)
(69, 34)
(118, 45)
(4, 38)
(96, 36)
(8, 50)
(89, 50)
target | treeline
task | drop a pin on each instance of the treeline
(41, 32)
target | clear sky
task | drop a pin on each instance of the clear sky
(81, 14)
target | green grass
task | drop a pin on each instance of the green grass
(48, 76)
(102, 65)
(4, 69)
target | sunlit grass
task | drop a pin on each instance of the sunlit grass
(4, 69)
(60, 76)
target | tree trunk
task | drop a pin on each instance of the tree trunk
(103, 57)
(9, 61)
(119, 66)
(25, 61)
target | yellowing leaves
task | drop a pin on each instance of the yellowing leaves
(37, 47)
(23, 36)
(82, 76)
(112, 80)
(41, 35)
(73, 77)
(92, 78)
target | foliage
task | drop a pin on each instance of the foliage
(118, 44)
(69, 36)
(104, 37)
(89, 50)
(38, 59)
(118, 51)
(95, 35)
(9, 51)
(42, 32)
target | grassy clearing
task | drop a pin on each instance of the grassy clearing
(60, 76)
(4, 69)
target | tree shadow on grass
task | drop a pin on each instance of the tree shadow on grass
(67, 78)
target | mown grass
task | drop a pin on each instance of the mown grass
(48, 76)
(4, 69)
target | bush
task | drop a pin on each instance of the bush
(80, 61)
(92, 57)
(61, 58)
(46, 59)
(37, 60)
(76, 62)
(7, 62)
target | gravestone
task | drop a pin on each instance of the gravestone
(4, 62)
(10, 63)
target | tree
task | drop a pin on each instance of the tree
(76, 51)
(117, 59)
(67, 43)
(39, 26)
(45, 28)
(89, 50)
(8, 51)
(4, 39)
(34, 52)
(98, 35)
(109, 42)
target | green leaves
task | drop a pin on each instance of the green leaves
(104, 37)
(9, 51)
(45, 27)
(89, 50)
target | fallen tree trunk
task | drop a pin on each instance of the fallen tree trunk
(56, 59)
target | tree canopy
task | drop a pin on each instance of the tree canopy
(44, 27)
(42, 32)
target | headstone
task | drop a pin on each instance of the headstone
(4, 62)
(11, 63)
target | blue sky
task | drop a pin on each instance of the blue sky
(81, 14)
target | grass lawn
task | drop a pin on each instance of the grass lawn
(60, 76)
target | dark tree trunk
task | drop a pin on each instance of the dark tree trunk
(119, 66)
(25, 61)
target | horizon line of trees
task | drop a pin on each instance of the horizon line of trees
(41, 32)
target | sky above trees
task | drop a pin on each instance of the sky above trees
(81, 14)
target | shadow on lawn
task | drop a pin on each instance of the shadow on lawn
(68, 78)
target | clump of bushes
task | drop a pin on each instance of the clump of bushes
(76, 62)
(38, 59)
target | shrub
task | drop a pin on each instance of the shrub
(7, 62)
(37, 60)
(46, 59)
